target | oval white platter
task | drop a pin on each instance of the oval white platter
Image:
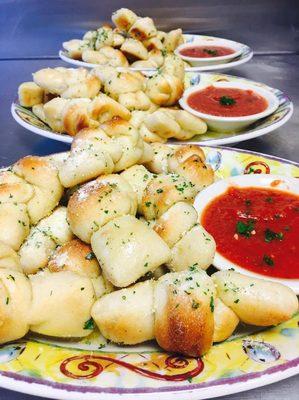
(244, 57)
(28, 120)
(91, 369)
(284, 183)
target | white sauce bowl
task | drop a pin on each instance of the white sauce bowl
(288, 184)
(199, 61)
(231, 124)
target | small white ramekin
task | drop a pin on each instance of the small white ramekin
(231, 124)
(288, 184)
(199, 61)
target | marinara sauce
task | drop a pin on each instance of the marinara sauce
(257, 229)
(206, 51)
(227, 102)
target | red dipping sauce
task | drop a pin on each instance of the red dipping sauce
(257, 229)
(206, 51)
(227, 102)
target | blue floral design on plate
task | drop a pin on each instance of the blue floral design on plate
(260, 352)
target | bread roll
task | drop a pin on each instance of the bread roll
(68, 82)
(30, 94)
(133, 49)
(95, 204)
(138, 177)
(187, 160)
(104, 37)
(164, 89)
(129, 139)
(153, 43)
(118, 83)
(173, 39)
(163, 191)
(196, 247)
(75, 47)
(104, 108)
(124, 19)
(9, 259)
(143, 29)
(184, 305)
(225, 321)
(255, 301)
(43, 177)
(118, 39)
(176, 222)
(107, 55)
(61, 304)
(43, 239)
(136, 101)
(85, 163)
(78, 257)
(126, 316)
(14, 224)
(127, 249)
(15, 302)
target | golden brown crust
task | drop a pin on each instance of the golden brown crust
(183, 329)
(184, 305)
(75, 256)
(75, 119)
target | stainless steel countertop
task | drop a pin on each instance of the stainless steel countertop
(31, 33)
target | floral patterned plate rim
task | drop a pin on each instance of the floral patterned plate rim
(91, 368)
(28, 120)
(244, 57)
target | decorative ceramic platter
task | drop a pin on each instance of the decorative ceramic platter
(283, 113)
(245, 56)
(92, 369)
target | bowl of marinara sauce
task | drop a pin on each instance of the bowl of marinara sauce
(254, 220)
(207, 51)
(229, 106)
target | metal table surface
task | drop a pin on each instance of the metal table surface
(30, 37)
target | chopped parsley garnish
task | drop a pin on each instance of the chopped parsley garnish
(269, 199)
(227, 101)
(195, 305)
(268, 260)
(90, 256)
(271, 235)
(212, 306)
(237, 301)
(245, 229)
(89, 324)
(194, 267)
(210, 52)
(248, 202)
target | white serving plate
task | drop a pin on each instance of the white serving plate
(282, 114)
(244, 56)
(287, 184)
